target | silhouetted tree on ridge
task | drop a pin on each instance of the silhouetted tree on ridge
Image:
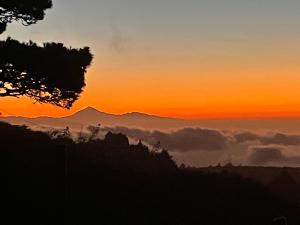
(51, 73)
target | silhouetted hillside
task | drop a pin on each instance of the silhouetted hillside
(265, 175)
(284, 182)
(109, 181)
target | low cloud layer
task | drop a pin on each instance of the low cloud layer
(202, 147)
(276, 138)
(272, 156)
(184, 140)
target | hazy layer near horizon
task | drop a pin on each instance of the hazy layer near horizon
(262, 142)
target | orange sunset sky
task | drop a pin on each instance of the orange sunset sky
(189, 59)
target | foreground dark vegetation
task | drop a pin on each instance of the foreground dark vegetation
(109, 181)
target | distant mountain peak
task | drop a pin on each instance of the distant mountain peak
(88, 112)
(89, 109)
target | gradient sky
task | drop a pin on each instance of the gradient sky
(190, 59)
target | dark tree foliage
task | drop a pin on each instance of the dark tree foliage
(49, 74)
(2, 27)
(26, 11)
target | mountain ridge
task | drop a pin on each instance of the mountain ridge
(92, 116)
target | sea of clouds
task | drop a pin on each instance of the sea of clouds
(204, 147)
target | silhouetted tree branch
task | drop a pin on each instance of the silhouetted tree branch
(49, 74)
(26, 11)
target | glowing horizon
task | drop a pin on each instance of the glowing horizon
(29, 109)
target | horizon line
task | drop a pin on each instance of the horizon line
(237, 116)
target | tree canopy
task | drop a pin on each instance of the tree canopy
(28, 12)
(51, 73)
